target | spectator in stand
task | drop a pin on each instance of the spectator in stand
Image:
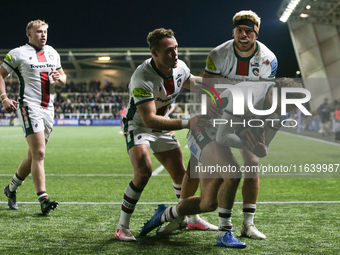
(324, 111)
(337, 121)
(122, 114)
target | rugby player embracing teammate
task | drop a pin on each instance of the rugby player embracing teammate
(211, 146)
(240, 59)
(153, 87)
(243, 58)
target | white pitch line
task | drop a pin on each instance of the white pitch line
(311, 138)
(156, 173)
(173, 203)
(158, 170)
(8, 136)
(85, 175)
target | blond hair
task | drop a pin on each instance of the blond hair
(157, 35)
(248, 15)
(33, 23)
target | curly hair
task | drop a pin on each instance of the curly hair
(289, 83)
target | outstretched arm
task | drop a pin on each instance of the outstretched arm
(225, 132)
(150, 119)
(9, 104)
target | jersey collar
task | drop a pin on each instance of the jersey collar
(36, 47)
(158, 72)
(247, 58)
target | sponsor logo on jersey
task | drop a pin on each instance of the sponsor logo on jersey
(256, 71)
(179, 76)
(210, 64)
(235, 80)
(42, 66)
(255, 64)
(139, 92)
(159, 99)
(9, 57)
(179, 82)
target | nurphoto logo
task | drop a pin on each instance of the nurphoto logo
(239, 102)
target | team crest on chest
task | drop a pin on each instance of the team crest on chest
(179, 80)
(256, 71)
(50, 55)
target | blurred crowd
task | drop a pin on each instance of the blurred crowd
(93, 98)
(83, 98)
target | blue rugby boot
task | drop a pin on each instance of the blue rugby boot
(154, 222)
(230, 241)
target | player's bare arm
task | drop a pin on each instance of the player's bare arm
(150, 119)
(261, 145)
(9, 104)
(193, 83)
(212, 110)
(256, 144)
(58, 76)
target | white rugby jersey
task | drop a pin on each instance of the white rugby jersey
(33, 68)
(258, 91)
(235, 128)
(231, 134)
(148, 83)
(224, 61)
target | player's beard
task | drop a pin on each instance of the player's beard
(251, 45)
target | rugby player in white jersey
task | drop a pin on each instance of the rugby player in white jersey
(240, 59)
(153, 87)
(211, 147)
(38, 68)
(243, 58)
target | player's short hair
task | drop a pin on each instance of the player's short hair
(248, 18)
(33, 23)
(155, 36)
(289, 83)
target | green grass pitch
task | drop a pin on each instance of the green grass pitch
(87, 170)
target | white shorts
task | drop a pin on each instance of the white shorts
(156, 141)
(35, 119)
(198, 139)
